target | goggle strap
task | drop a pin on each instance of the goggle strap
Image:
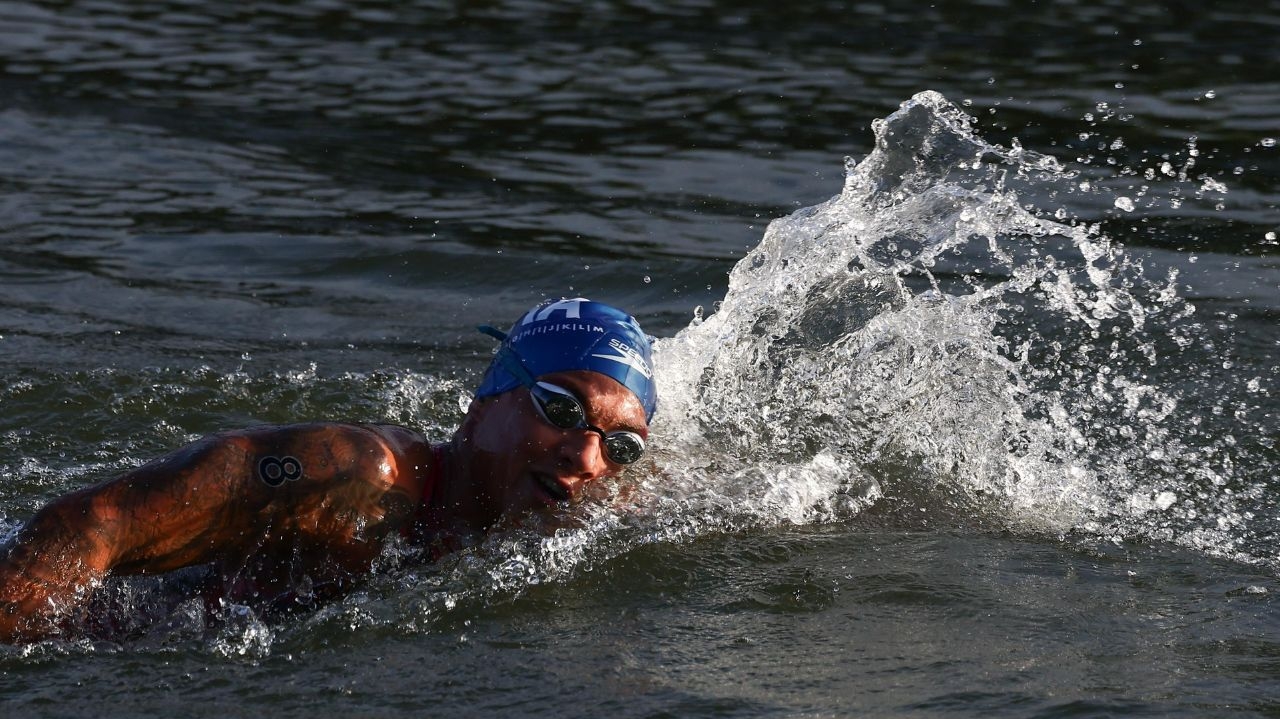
(493, 332)
(507, 357)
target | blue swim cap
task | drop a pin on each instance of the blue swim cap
(576, 334)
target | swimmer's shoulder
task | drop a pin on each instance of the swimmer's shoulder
(395, 438)
(401, 441)
(381, 454)
(414, 454)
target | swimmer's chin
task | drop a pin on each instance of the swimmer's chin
(608, 496)
(566, 516)
(547, 520)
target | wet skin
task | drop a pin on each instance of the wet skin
(274, 508)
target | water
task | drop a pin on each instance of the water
(979, 421)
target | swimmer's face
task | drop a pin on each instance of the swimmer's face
(520, 461)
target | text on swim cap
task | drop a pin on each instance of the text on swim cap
(556, 329)
(572, 310)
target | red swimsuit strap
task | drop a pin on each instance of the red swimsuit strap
(429, 486)
(434, 477)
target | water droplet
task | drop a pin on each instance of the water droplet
(1119, 85)
(647, 279)
(1124, 203)
(1210, 94)
(1268, 142)
(1137, 43)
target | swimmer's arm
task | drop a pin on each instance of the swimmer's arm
(204, 503)
(51, 567)
(162, 516)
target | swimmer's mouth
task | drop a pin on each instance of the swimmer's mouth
(552, 487)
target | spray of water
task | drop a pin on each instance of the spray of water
(942, 342)
(946, 335)
(945, 341)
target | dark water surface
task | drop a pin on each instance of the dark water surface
(1029, 486)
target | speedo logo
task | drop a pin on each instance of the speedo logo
(629, 356)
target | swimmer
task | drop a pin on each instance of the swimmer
(282, 515)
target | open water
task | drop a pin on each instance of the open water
(969, 318)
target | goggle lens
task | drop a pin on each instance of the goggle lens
(562, 409)
(623, 447)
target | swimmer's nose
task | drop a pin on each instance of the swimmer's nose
(582, 458)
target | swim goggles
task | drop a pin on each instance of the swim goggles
(562, 408)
